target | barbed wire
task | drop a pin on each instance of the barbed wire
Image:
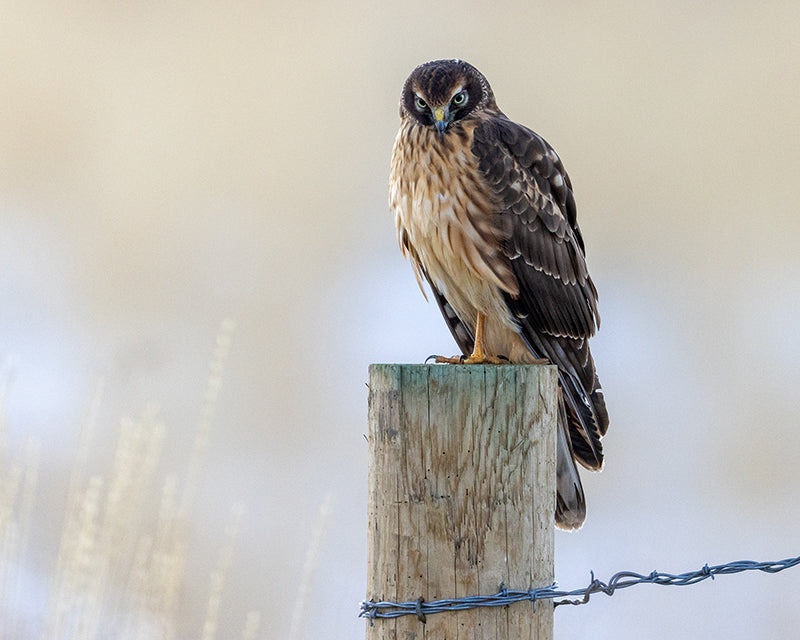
(622, 580)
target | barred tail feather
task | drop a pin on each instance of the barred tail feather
(570, 501)
(587, 419)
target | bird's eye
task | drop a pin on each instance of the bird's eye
(460, 98)
(421, 104)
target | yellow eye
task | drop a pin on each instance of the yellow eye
(460, 99)
(421, 104)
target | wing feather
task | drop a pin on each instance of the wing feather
(461, 332)
(556, 307)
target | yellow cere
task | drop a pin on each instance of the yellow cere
(438, 113)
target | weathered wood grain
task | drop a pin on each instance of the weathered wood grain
(461, 495)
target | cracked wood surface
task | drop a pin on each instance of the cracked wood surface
(461, 495)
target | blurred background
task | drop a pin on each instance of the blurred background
(165, 167)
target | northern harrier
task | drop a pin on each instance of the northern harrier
(485, 213)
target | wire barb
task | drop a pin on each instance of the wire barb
(621, 580)
(418, 611)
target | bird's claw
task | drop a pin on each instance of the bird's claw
(473, 359)
(445, 360)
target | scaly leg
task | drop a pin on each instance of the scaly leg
(478, 355)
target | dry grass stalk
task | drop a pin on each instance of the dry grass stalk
(119, 573)
(309, 568)
(251, 625)
(220, 572)
(10, 481)
(216, 370)
(17, 491)
(18, 481)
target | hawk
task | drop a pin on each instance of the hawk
(486, 215)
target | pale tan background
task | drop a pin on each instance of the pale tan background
(165, 166)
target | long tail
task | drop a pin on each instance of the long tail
(583, 420)
(570, 501)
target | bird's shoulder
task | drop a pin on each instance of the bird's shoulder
(528, 181)
(520, 165)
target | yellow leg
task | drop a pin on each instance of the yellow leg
(478, 355)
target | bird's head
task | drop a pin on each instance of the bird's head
(437, 94)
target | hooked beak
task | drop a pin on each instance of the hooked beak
(441, 119)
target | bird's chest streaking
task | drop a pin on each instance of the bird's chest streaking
(446, 221)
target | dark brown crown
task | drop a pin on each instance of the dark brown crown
(436, 81)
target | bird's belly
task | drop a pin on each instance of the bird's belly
(454, 257)
(454, 254)
(468, 296)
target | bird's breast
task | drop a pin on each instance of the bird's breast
(446, 220)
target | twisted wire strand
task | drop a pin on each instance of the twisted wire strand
(621, 580)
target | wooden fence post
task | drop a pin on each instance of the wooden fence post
(461, 495)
